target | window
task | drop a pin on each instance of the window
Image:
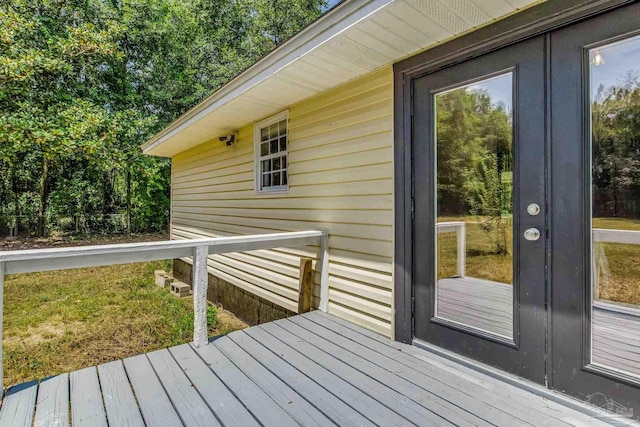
(271, 144)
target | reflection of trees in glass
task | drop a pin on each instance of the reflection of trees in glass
(474, 137)
(615, 117)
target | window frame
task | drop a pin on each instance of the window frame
(258, 158)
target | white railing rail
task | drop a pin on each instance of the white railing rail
(628, 237)
(40, 260)
(460, 228)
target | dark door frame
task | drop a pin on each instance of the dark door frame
(531, 22)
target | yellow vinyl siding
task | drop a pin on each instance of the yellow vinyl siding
(340, 179)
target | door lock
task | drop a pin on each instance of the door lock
(532, 234)
(533, 209)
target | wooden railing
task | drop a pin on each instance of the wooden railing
(460, 228)
(39, 260)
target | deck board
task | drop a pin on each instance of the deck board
(339, 412)
(252, 396)
(313, 370)
(52, 406)
(119, 402)
(193, 410)
(18, 405)
(286, 397)
(225, 405)
(87, 408)
(338, 386)
(155, 406)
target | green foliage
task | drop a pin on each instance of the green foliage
(84, 82)
(615, 116)
(488, 199)
(212, 317)
(474, 156)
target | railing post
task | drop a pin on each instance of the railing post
(200, 283)
(2, 272)
(461, 235)
(323, 262)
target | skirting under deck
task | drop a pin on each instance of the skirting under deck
(312, 369)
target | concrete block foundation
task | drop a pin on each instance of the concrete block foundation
(246, 306)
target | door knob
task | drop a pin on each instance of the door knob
(532, 234)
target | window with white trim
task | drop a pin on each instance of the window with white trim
(271, 144)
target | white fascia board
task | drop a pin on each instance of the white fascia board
(324, 29)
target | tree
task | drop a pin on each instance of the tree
(49, 60)
(84, 82)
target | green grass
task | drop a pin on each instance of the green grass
(482, 259)
(620, 281)
(66, 320)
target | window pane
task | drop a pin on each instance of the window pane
(266, 165)
(273, 131)
(264, 149)
(283, 127)
(276, 178)
(474, 181)
(283, 143)
(615, 179)
(284, 161)
(264, 134)
(276, 164)
(266, 180)
(284, 178)
(274, 146)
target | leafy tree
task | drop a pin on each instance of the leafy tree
(84, 82)
(474, 160)
(49, 61)
(616, 148)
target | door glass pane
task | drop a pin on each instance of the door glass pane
(474, 213)
(615, 178)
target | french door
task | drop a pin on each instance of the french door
(595, 210)
(478, 167)
(526, 192)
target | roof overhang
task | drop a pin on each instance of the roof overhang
(351, 40)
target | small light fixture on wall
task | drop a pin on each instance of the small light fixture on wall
(229, 139)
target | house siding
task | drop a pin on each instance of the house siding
(340, 179)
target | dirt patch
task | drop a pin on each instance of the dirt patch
(43, 332)
(62, 240)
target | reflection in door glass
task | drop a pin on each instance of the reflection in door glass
(474, 178)
(615, 145)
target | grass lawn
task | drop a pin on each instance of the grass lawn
(66, 320)
(482, 260)
(619, 281)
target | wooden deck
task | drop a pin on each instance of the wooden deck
(311, 370)
(488, 305)
(479, 303)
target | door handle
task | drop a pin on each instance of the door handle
(532, 234)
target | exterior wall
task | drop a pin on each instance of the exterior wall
(340, 179)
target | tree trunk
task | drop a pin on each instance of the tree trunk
(128, 200)
(44, 195)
